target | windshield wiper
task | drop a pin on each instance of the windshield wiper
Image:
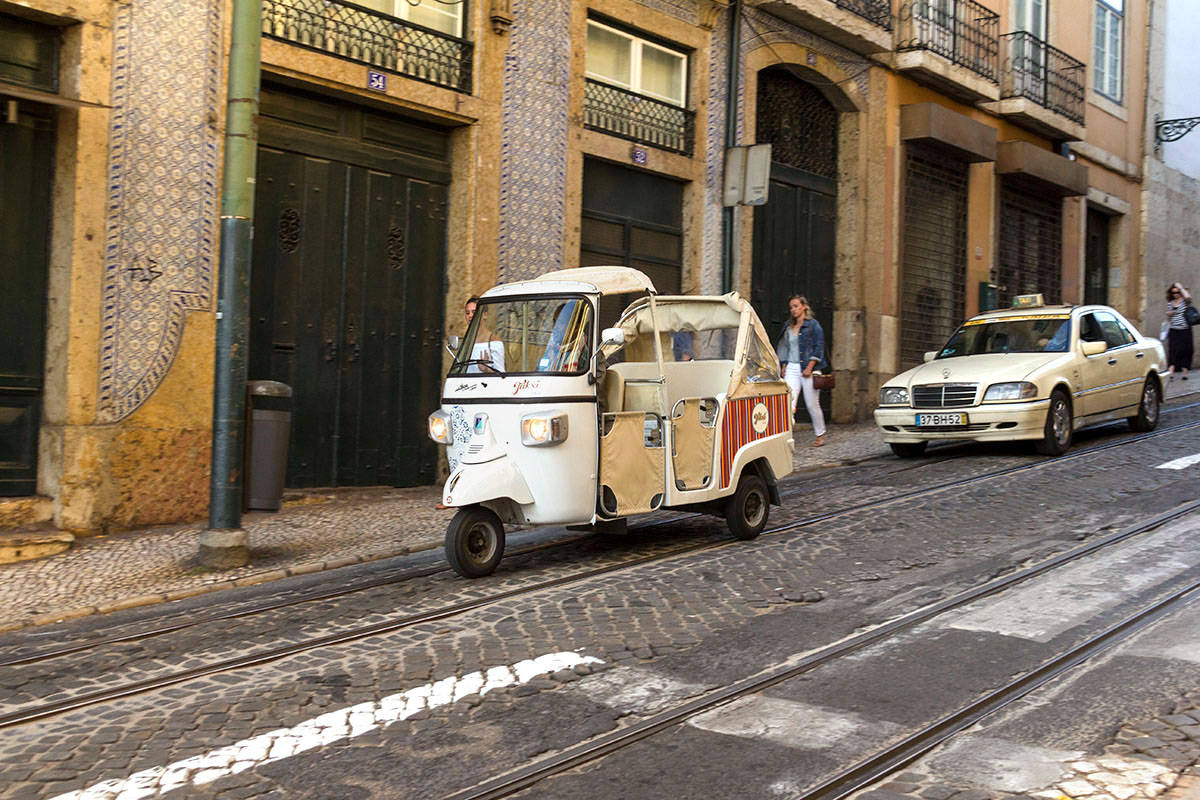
(483, 362)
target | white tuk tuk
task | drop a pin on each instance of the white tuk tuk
(549, 421)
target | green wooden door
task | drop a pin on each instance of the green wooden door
(347, 296)
(794, 247)
(26, 182)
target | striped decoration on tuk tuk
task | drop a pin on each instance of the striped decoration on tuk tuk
(742, 425)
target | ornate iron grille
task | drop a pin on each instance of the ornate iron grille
(798, 122)
(638, 118)
(961, 31)
(1030, 244)
(933, 285)
(1044, 74)
(359, 34)
(877, 11)
(944, 395)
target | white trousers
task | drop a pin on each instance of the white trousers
(794, 375)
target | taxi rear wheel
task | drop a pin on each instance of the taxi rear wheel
(1056, 438)
(475, 542)
(1147, 417)
(746, 513)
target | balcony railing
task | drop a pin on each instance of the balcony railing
(638, 118)
(1044, 74)
(359, 34)
(961, 31)
(877, 11)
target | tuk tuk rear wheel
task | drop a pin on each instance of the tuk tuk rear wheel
(475, 542)
(746, 513)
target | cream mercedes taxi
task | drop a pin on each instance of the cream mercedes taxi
(1033, 372)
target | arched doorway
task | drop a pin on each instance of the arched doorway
(794, 233)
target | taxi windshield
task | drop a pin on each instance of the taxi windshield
(1032, 334)
(527, 335)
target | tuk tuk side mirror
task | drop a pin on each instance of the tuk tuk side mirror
(612, 336)
(452, 344)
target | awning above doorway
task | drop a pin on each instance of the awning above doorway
(935, 124)
(1053, 172)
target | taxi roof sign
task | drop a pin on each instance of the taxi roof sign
(1028, 301)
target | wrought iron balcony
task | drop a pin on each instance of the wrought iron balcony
(638, 118)
(961, 31)
(877, 11)
(1043, 74)
(368, 37)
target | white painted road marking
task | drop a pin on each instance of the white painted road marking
(1180, 463)
(636, 690)
(345, 723)
(1044, 607)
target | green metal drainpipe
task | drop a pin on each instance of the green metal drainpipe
(224, 543)
(728, 246)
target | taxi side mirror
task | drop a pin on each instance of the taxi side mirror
(1094, 348)
(930, 355)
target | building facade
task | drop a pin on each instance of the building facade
(1171, 204)
(928, 158)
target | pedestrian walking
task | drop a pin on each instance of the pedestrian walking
(801, 349)
(1179, 333)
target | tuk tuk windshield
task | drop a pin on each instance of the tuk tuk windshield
(514, 335)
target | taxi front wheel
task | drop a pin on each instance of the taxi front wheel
(475, 542)
(1056, 437)
(746, 513)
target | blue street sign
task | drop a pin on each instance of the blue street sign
(376, 81)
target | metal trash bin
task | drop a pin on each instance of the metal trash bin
(269, 412)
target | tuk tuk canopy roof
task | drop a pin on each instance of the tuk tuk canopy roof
(605, 280)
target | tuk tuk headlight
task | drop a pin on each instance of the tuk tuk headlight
(543, 429)
(440, 429)
(893, 396)
(1004, 392)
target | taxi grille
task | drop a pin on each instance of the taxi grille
(944, 395)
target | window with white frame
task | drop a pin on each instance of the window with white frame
(620, 58)
(443, 16)
(1108, 62)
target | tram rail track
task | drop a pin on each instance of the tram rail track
(880, 764)
(30, 714)
(424, 572)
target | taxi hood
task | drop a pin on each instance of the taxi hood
(984, 368)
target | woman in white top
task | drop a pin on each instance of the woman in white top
(1179, 334)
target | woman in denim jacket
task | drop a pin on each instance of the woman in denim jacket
(801, 349)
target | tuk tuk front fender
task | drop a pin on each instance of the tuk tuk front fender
(492, 480)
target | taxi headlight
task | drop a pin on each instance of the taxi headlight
(1017, 390)
(893, 396)
(543, 429)
(439, 428)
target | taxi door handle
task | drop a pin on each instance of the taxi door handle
(1112, 361)
(1140, 355)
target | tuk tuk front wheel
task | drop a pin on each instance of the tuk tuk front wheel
(746, 513)
(475, 542)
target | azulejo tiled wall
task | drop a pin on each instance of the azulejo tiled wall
(533, 153)
(162, 191)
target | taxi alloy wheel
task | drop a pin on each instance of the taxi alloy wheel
(1146, 418)
(1056, 439)
(747, 511)
(475, 542)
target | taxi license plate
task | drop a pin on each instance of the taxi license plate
(956, 418)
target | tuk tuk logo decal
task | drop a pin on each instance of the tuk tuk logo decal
(743, 425)
(525, 384)
(759, 417)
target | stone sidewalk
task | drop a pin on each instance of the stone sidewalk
(315, 530)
